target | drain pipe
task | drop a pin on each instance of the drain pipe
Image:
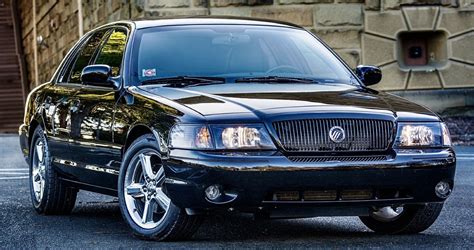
(79, 18)
(35, 45)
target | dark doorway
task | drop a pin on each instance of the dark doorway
(11, 91)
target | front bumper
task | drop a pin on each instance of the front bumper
(407, 178)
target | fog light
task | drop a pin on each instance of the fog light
(213, 192)
(442, 189)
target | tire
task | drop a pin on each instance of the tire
(166, 222)
(49, 194)
(413, 219)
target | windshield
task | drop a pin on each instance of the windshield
(236, 53)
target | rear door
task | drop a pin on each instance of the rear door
(97, 156)
(57, 120)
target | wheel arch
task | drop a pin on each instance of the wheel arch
(135, 132)
(139, 130)
(33, 125)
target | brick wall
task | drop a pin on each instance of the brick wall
(360, 31)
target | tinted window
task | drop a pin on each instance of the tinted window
(234, 51)
(112, 51)
(85, 56)
(66, 71)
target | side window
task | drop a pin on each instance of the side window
(112, 51)
(85, 55)
(66, 70)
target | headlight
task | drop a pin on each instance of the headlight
(190, 137)
(210, 137)
(242, 137)
(430, 134)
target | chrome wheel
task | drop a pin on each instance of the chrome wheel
(38, 168)
(145, 200)
(387, 214)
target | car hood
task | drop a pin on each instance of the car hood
(286, 99)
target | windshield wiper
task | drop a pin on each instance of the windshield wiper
(276, 79)
(185, 81)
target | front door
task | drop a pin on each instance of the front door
(92, 135)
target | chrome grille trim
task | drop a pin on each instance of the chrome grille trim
(312, 135)
(313, 159)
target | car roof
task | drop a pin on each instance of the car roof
(210, 20)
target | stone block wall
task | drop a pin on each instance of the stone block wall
(360, 31)
(56, 23)
(379, 43)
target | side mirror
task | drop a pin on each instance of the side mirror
(98, 75)
(369, 75)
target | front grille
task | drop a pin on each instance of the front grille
(313, 159)
(286, 196)
(338, 195)
(320, 195)
(312, 135)
(356, 194)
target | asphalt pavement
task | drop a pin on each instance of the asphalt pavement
(96, 221)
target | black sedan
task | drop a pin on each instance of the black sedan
(182, 117)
